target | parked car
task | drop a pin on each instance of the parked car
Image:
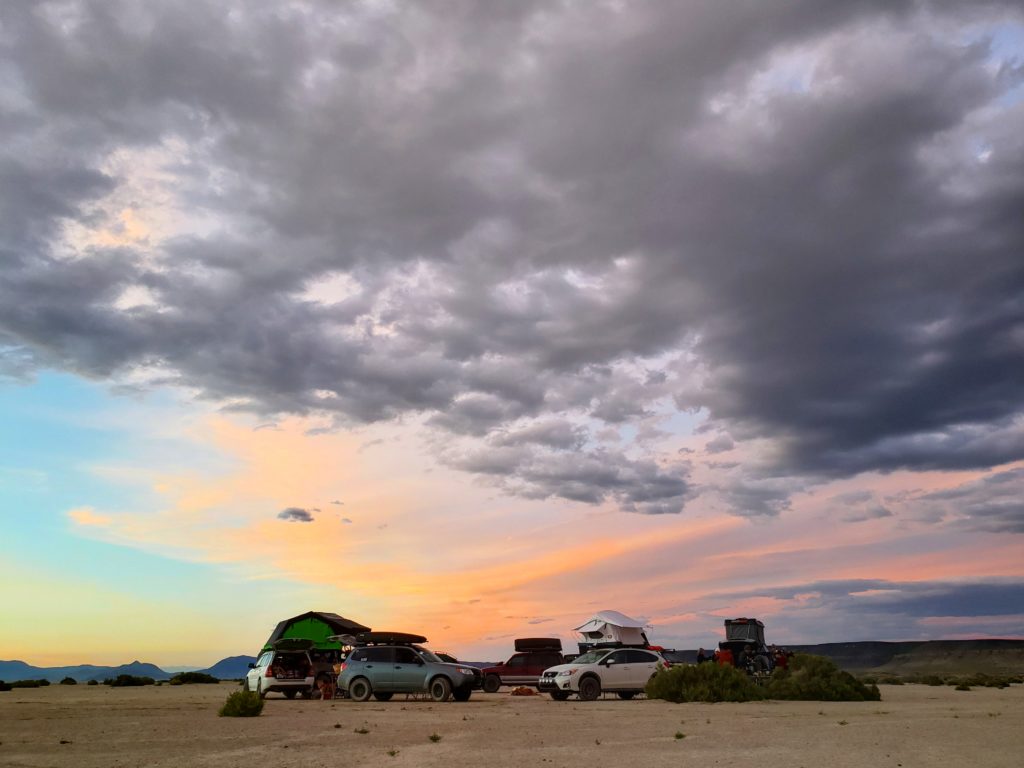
(287, 668)
(385, 663)
(624, 671)
(533, 655)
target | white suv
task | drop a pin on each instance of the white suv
(286, 671)
(624, 671)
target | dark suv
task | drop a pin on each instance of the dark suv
(533, 655)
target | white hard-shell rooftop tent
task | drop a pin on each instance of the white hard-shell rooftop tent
(613, 627)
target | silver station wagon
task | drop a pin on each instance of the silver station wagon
(385, 663)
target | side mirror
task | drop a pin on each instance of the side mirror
(608, 662)
(252, 666)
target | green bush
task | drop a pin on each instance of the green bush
(188, 678)
(93, 682)
(816, 678)
(69, 681)
(242, 704)
(122, 681)
(808, 678)
(703, 682)
(29, 683)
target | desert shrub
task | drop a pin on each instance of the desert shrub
(69, 681)
(122, 681)
(93, 682)
(963, 687)
(930, 680)
(29, 683)
(703, 682)
(816, 678)
(242, 704)
(4, 686)
(188, 678)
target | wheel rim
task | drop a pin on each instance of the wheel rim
(360, 690)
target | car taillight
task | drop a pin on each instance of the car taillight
(342, 667)
(270, 672)
(311, 672)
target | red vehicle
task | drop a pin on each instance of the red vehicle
(533, 655)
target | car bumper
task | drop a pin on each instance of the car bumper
(548, 684)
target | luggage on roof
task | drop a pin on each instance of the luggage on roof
(538, 644)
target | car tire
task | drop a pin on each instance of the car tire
(245, 684)
(626, 695)
(360, 689)
(290, 694)
(260, 691)
(462, 694)
(492, 683)
(383, 696)
(559, 695)
(440, 689)
(590, 688)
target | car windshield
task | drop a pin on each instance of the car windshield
(427, 655)
(591, 657)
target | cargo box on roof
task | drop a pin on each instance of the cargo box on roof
(538, 644)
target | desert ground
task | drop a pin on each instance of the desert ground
(913, 725)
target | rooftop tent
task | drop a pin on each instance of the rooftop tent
(744, 631)
(316, 626)
(613, 627)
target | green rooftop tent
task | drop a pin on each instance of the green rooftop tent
(315, 626)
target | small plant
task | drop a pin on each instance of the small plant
(242, 704)
(337, 725)
(122, 681)
(844, 722)
(435, 738)
(362, 730)
(680, 735)
(93, 682)
(189, 678)
(962, 687)
(69, 681)
(392, 752)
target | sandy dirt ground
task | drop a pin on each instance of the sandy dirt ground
(914, 725)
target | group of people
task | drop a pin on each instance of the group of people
(749, 658)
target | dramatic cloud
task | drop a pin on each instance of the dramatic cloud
(295, 515)
(539, 231)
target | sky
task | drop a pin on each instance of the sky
(472, 319)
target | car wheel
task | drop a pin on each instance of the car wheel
(492, 683)
(627, 695)
(260, 691)
(462, 694)
(359, 689)
(559, 695)
(290, 694)
(440, 689)
(383, 696)
(307, 694)
(590, 688)
(245, 684)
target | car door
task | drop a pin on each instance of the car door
(377, 666)
(516, 672)
(537, 663)
(408, 671)
(252, 677)
(615, 671)
(642, 665)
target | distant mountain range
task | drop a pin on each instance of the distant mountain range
(899, 658)
(231, 668)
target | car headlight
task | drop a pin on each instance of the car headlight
(464, 670)
(567, 672)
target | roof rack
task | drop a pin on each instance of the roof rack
(388, 638)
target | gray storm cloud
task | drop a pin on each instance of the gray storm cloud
(801, 219)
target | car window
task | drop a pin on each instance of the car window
(371, 654)
(551, 660)
(517, 661)
(264, 660)
(619, 657)
(406, 656)
(641, 657)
